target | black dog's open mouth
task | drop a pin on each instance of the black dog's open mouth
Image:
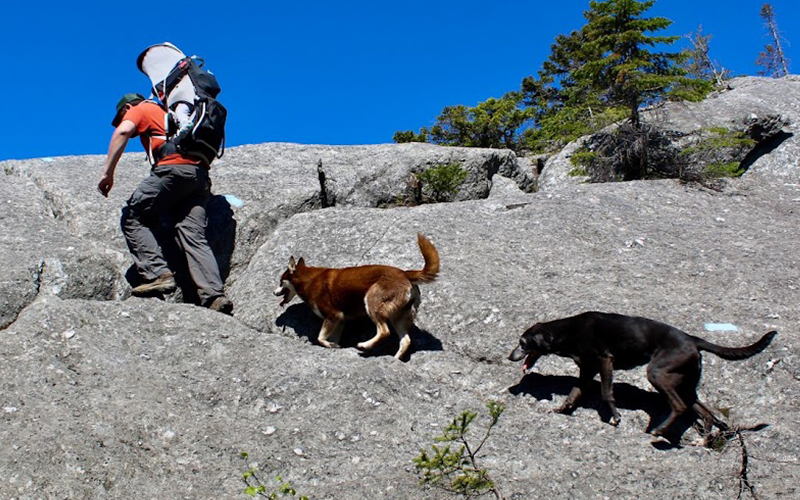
(530, 360)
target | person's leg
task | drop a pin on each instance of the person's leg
(191, 236)
(140, 216)
(203, 268)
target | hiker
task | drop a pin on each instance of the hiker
(177, 186)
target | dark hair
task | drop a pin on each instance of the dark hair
(133, 99)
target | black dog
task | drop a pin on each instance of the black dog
(602, 342)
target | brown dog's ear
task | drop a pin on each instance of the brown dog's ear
(301, 262)
(292, 265)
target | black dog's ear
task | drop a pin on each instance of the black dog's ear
(543, 338)
(546, 338)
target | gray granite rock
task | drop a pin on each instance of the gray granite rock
(257, 187)
(277, 180)
(742, 97)
(747, 99)
(744, 102)
(141, 398)
(38, 256)
(559, 171)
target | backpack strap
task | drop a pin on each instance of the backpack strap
(174, 76)
(156, 156)
(177, 73)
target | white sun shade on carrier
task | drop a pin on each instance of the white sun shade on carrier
(156, 62)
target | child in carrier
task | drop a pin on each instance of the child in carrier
(195, 120)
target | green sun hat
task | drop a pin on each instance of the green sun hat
(126, 99)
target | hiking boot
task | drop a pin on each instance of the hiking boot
(222, 304)
(163, 284)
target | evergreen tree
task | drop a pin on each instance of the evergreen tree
(494, 123)
(604, 73)
(563, 107)
(595, 76)
(772, 59)
(402, 136)
(616, 71)
(627, 72)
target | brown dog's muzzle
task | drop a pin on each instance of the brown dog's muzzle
(285, 292)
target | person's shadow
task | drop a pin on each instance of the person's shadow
(221, 236)
(627, 396)
(306, 324)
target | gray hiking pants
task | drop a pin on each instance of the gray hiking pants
(180, 192)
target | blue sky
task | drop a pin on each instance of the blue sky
(313, 72)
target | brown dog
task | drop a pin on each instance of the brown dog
(384, 293)
(602, 342)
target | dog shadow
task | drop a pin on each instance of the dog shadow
(626, 396)
(306, 324)
(221, 236)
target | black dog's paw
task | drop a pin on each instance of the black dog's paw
(564, 409)
(658, 432)
(671, 436)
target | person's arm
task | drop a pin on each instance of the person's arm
(119, 140)
(181, 114)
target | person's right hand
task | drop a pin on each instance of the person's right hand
(105, 185)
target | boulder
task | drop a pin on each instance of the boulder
(103, 395)
(276, 180)
(38, 256)
(766, 110)
(257, 187)
(559, 171)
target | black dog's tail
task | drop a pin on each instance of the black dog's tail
(734, 353)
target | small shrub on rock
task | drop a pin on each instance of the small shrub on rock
(255, 487)
(441, 181)
(715, 153)
(454, 467)
(629, 153)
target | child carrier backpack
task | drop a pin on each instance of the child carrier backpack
(178, 80)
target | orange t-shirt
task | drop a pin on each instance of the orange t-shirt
(149, 120)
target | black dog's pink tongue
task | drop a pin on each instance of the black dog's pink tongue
(530, 360)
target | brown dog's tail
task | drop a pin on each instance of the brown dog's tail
(431, 256)
(734, 353)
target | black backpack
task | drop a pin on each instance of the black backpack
(168, 69)
(205, 140)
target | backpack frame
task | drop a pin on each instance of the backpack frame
(205, 140)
